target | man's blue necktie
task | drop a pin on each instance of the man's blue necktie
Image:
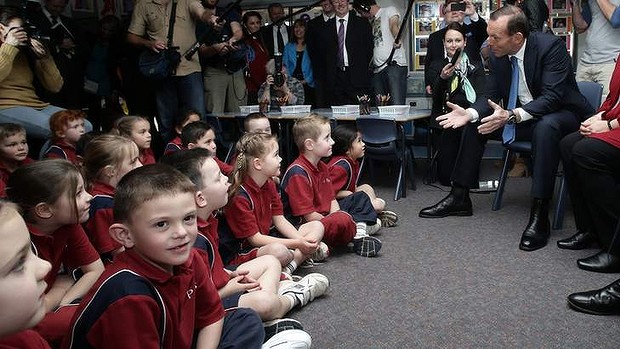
(508, 136)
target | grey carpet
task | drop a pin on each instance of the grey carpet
(458, 283)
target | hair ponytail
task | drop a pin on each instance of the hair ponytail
(250, 146)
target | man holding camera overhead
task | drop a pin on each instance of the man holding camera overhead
(475, 32)
(388, 77)
(149, 29)
(223, 58)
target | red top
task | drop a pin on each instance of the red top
(611, 109)
(146, 156)
(224, 167)
(256, 67)
(252, 208)
(5, 173)
(101, 218)
(25, 339)
(131, 321)
(208, 230)
(62, 150)
(343, 172)
(67, 246)
(307, 188)
(174, 145)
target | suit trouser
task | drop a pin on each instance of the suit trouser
(545, 134)
(592, 172)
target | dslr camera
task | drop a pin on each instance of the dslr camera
(458, 6)
(278, 77)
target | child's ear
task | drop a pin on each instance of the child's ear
(257, 164)
(308, 144)
(178, 130)
(43, 210)
(201, 200)
(60, 134)
(191, 145)
(109, 171)
(120, 233)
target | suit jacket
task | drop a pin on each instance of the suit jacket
(359, 45)
(549, 76)
(267, 35)
(318, 30)
(476, 33)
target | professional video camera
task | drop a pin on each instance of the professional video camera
(278, 77)
(29, 27)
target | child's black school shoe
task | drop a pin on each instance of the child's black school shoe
(367, 246)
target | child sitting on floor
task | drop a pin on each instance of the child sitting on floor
(66, 126)
(107, 159)
(344, 167)
(22, 283)
(158, 293)
(176, 144)
(54, 202)
(13, 152)
(255, 206)
(199, 134)
(307, 193)
(138, 130)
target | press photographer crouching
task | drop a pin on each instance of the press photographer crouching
(223, 60)
(279, 88)
(22, 58)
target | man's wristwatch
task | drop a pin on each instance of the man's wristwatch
(512, 117)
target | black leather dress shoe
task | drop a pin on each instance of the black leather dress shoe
(537, 232)
(605, 301)
(601, 262)
(451, 205)
(579, 241)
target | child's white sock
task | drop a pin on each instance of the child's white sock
(361, 228)
(294, 301)
(290, 268)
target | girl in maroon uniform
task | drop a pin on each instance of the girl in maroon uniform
(107, 159)
(22, 284)
(138, 130)
(348, 148)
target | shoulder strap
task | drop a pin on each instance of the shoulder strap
(173, 15)
(121, 284)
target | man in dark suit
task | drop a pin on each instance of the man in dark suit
(475, 33)
(277, 34)
(533, 72)
(348, 52)
(318, 30)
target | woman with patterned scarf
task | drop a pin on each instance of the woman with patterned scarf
(458, 84)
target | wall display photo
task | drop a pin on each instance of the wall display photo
(561, 24)
(419, 61)
(421, 44)
(423, 27)
(426, 10)
(558, 6)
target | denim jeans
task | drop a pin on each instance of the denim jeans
(393, 80)
(35, 121)
(175, 95)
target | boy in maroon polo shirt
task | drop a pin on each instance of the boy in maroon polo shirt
(13, 152)
(67, 126)
(199, 134)
(307, 193)
(158, 293)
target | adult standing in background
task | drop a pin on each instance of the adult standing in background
(223, 59)
(149, 30)
(318, 31)
(297, 61)
(275, 35)
(475, 31)
(258, 57)
(532, 73)
(348, 55)
(600, 20)
(70, 50)
(388, 77)
(536, 11)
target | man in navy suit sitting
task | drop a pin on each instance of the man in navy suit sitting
(532, 74)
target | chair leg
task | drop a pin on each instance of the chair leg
(497, 202)
(411, 169)
(399, 185)
(558, 216)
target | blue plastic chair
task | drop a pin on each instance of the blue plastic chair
(594, 93)
(385, 142)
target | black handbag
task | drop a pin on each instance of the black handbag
(162, 64)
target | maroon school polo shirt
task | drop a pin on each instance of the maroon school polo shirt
(62, 150)
(208, 228)
(25, 339)
(343, 172)
(309, 194)
(5, 173)
(190, 299)
(101, 218)
(67, 246)
(146, 156)
(174, 146)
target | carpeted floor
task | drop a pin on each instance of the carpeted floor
(458, 283)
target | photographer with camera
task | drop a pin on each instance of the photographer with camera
(280, 88)
(475, 32)
(223, 58)
(183, 89)
(22, 58)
